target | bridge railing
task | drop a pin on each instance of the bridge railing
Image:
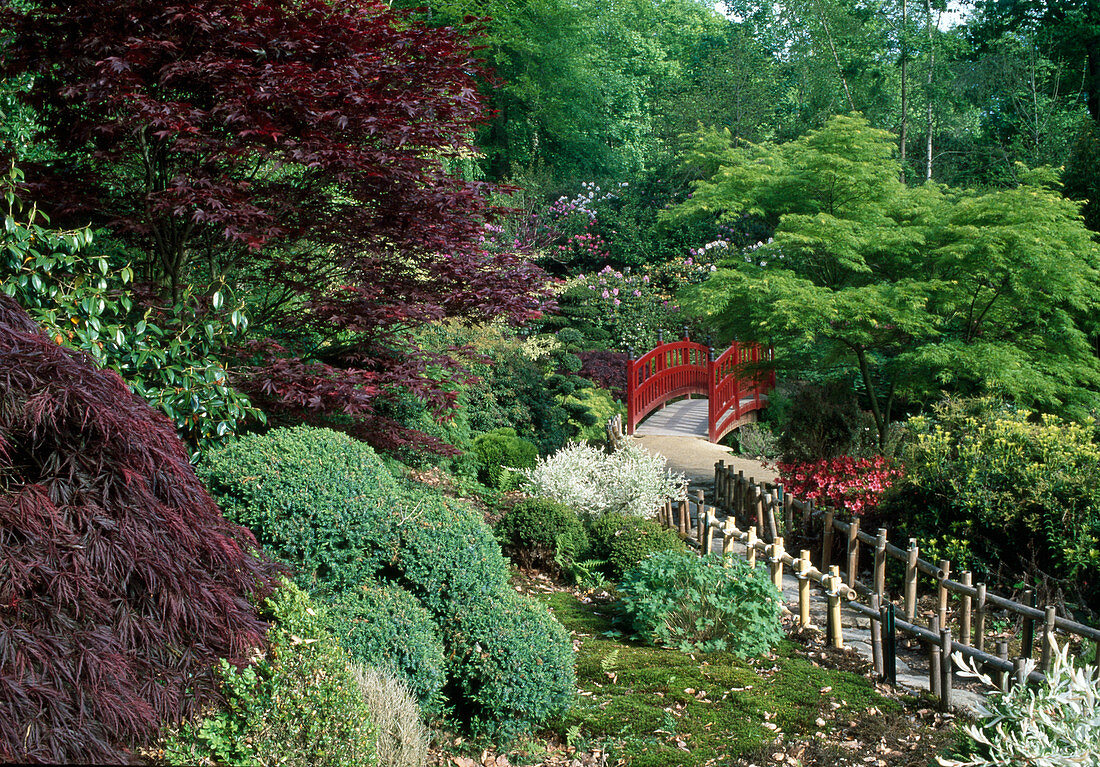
(672, 370)
(683, 368)
(737, 387)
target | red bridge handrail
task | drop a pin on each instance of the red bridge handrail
(682, 368)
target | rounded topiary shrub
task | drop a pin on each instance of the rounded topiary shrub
(539, 532)
(316, 498)
(624, 541)
(296, 704)
(448, 557)
(500, 450)
(385, 625)
(679, 599)
(516, 666)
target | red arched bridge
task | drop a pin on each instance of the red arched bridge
(733, 382)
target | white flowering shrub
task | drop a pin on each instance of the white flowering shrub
(628, 481)
(1056, 724)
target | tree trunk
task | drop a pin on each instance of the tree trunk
(836, 57)
(930, 24)
(880, 410)
(904, 41)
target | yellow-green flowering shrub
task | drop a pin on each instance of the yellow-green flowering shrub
(1008, 486)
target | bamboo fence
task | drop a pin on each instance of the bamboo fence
(760, 515)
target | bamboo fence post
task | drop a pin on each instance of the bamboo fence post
(880, 564)
(708, 536)
(699, 520)
(770, 502)
(946, 668)
(876, 635)
(807, 514)
(732, 491)
(727, 536)
(1002, 653)
(1019, 675)
(853, 551)
(738, 483)
(719, 468)
(827, 541)
(759, 507)
(979, 616)
(834, 607)
(684, 521)
(911, 580)
(964, 612)
(890, 645)
(777, 563)
(750, 547)
(1048, 648)
(935, 660)
(1027, 643)
(804, 588)
(941, 591)
(788, 512)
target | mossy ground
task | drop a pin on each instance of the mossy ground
(649, 706)
(641, 706)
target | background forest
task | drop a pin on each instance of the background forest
(378, 265)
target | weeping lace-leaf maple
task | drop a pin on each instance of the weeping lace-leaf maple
(121, 584)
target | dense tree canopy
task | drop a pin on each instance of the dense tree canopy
(295, 152)
(923, 289)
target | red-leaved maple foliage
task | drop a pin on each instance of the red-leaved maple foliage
(298, 150)
(121, 584)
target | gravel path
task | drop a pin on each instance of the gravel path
(695, 458)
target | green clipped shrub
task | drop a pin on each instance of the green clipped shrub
(449, 557)
(542, 533)
(385, 625)
(497, 452)
(315, 498)
(595, 407)
(515, 668)
(625, 541)
(296, 704)
(710, 603)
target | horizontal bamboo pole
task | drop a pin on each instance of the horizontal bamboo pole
(928, 568)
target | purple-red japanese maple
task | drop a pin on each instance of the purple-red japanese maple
(121, 583)
(300, 150)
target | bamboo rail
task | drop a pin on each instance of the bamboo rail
(767, 514)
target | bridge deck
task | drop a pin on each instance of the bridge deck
(686, 418)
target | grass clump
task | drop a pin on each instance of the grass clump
(402, 738)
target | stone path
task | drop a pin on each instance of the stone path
(695, 458)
